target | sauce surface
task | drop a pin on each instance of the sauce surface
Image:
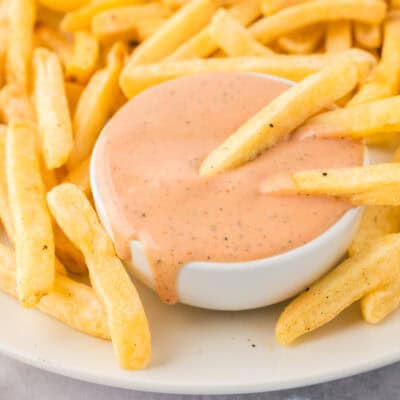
(147, 167)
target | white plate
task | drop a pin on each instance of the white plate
(204, 352)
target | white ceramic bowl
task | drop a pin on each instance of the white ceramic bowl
(252, 284)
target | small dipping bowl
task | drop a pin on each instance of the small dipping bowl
(251, 284)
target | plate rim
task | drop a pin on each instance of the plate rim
(193, 389)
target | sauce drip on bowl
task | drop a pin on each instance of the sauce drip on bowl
(147, 165)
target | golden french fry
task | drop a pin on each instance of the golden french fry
(3, 39)
(180, 27)
(362, 120)
(338, 36)
(176, 4)
(379, 303)
(395, 3)
(119, 102)
(382, 196)
(302, 41)
(81, 18)
(95, 105)
(126, 317)
(16, 105)
(375, 223)
(312, 12)
(146, 27)
(203, 45)
(21, 20)
(376, 185)
(68, 253)
(270, 7)
(348, 181)
(79, 176)
(70, 302)
(83, 60)
(368, 36)
(53, 40)
(48, 17)
(54, 121)
(346, 284)
(283, 115)
(233, 38)
(5, 213)
(384, 81)
(73, 91)
(34, 242)
(121, 23)
(62, 5)
(137, 78)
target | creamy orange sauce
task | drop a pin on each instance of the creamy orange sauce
(147, 172)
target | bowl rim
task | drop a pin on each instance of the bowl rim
(268, 262)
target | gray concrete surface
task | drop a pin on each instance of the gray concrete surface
(22, 382)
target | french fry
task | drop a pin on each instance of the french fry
(270, 7)
(176, 4)
(74, 258)
(185, 23)
(54, 122)
(383, 196)
(147, 27)
(362, 120)
(203, 45)
(283, 115)
(303, 41)
(3, 39)
(70, 302)
(312, 12)
(395, 4)
(5, 213)
(368, 36)
(346, 284)
(68, 254)
(16, 105)
(81, 18)
(384, 81)
(53, 40)
(63, 6)
(79, 176)
(34, 242)
(233, 38)
(84, 57)
(95, 105)
(375, 223)
(370, 185)
(126, 318)
(121, 23)
(48, 17)
(379, 303)
(21, 20)
(73, 91)
(338, 36)
(137, 78)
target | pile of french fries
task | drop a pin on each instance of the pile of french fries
(66, 66)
